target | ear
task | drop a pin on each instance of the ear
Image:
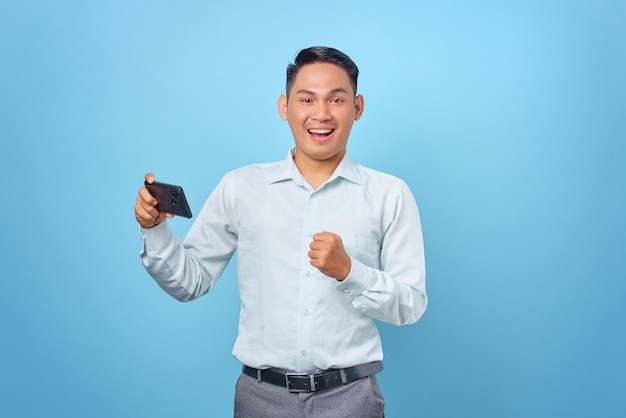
(359, 104)
(282, 106)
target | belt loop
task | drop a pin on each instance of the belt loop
(258, 375)
(344, 378)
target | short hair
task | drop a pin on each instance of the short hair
(322, 54)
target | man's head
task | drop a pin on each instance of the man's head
(321, 105)
(322, 54)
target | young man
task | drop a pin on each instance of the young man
(325, 246)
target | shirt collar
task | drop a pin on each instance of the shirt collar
(287, 170)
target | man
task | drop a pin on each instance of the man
(325, 246)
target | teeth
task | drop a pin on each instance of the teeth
(320, 131)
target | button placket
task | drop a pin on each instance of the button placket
(307, 287)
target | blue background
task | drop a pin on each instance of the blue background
(507, 120)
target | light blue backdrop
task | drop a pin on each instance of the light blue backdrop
(507, 120)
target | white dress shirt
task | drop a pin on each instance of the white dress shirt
(292, 316)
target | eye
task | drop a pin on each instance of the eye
(337, 100)
(305, 100)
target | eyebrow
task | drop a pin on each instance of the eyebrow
(333, 91)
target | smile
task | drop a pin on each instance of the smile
(321, 131)
(320, 135)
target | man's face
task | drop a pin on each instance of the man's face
(320, 110)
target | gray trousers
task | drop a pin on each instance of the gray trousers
(359, 399)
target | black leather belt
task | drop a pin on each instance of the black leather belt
(313, 381)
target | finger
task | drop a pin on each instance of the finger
(320, 247)
(326, 237)
(320, 236)
(149, 217)
(316, 264)
(145, 219)
(149, 177)
(146, 206)
(145, 195)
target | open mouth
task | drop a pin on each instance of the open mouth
(320, 134)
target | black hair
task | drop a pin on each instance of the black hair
(322, 54)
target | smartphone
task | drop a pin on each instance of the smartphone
(170, 198)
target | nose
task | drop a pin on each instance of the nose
(321, 111)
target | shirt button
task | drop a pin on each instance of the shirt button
(304, 353)
(346, 291)
(306, 312)
(307, 274)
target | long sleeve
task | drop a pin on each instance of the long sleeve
(187, 270)
(395, 293)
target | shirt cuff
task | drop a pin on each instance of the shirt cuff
(357, 281)
(156, 237)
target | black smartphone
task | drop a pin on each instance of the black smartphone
(170, 198)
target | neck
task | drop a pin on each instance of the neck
(316, 172)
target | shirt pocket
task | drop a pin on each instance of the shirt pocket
(367, 251)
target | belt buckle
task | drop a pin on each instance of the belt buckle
(311, 377)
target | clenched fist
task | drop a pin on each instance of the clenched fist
(328, 255)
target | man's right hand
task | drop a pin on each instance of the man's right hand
(146, 212)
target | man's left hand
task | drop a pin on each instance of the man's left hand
(328, 255)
